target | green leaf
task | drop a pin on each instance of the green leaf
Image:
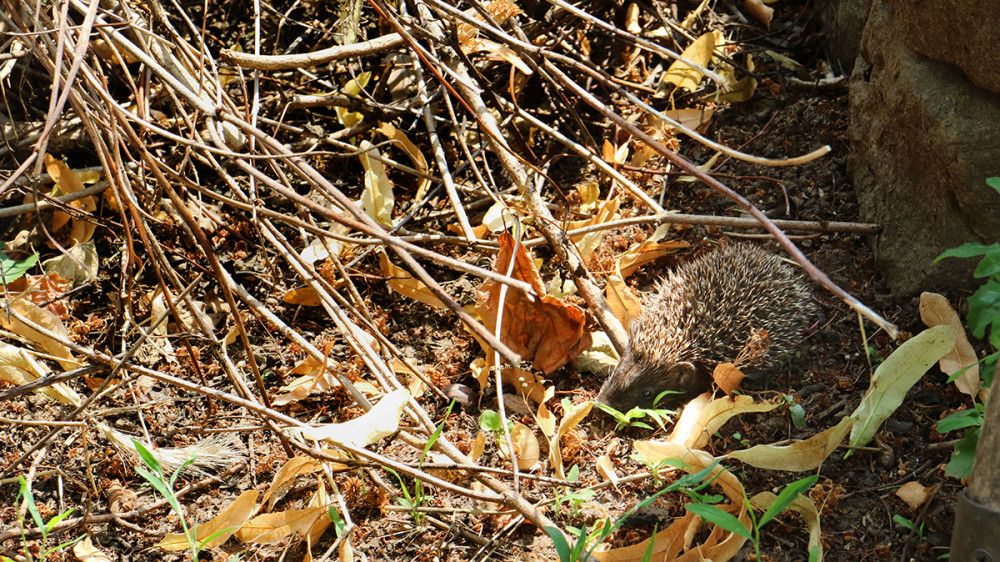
(490, 421)
(437, 433)
(798, 414)
(562, 547)
(29, 500)
(984, 309)
(895, 376)
(148, 457)
(960, 464)
(903, 521)
(989, 266)
(994, 183)
(14, 270)
(969, 250)
(960, 420)
(719, 518)
(786, 497)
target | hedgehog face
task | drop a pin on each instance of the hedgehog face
(638, 381)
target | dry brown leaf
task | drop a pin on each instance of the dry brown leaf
(727, 377)
(758, 10)
(913, 493)
(546, 421)
(524, 383)
(315, 377)
(588, 243)
(478, 446)
(545, 329)
(692, 118)
(667, 544)
(411, 150)
(42, 289)
(643, 253)
(804, 507)
(320, 499)
(232, 518)
(19, 367)
(400, 281)
(800, 456)
(589, 195)
(85, 551)
(270, 528)
(45, 319)
(68, 182)
(623, 304)
(286, 476)
(525, 446)
(935, 310)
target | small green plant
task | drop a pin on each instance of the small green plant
(156, 476)
(983, 320)
(574, 496)
(909, 525)
(628, 419)
(490, 421)
(45, 527)
(580, 551)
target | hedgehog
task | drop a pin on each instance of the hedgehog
(705, 312)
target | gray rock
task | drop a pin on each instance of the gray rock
(924, 139)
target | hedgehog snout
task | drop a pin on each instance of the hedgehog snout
(637, 381)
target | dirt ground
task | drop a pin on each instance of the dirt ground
(78, 467)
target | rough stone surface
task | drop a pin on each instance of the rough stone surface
(842, 21)
(959, 32)
(924, 139)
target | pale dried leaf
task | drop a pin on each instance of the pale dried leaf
(270, 528)
(800, 456)
(895, 376)
(400, 281)
(377, 198)
(913, 493)
(85, 551)
(232, 518)
(381, 421)
(935, 310)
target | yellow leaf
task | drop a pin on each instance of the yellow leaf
(400, 281)
(804, 507)
(569, 421)
(623, 304)
(18, 367)
(68, 182)
(231, 518)
(376, 199)
(683, 75)
(353, 87)
(757, 9)
(411, 150)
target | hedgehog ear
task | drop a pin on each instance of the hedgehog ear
(686, 374)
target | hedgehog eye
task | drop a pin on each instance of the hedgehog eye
(647, 394)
